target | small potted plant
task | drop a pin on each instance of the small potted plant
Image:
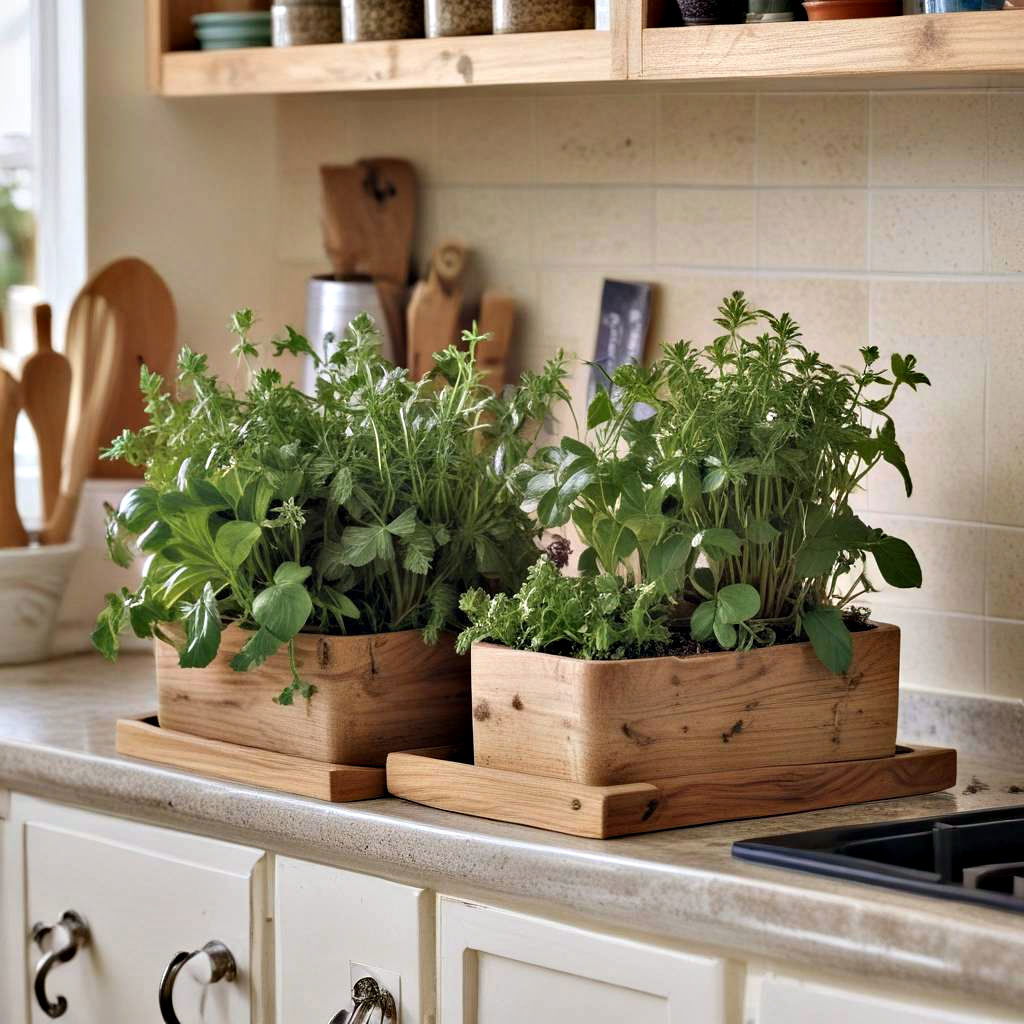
(715, 622)
(314, 546)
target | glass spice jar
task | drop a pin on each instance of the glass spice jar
(542, 15)
(305, 22)
(459, 18)
(362, 20)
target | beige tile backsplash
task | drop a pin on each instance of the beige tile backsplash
(891, 218)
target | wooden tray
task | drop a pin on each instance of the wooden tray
(338, 783)
(600, 812)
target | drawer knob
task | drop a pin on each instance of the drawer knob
(68, 935)
(368, 996)
(211, 964)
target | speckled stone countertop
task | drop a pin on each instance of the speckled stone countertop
(57, 741)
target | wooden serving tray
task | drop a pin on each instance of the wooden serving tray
(600, 812)
(338, 783)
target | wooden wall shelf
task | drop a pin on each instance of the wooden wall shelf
(908, 47)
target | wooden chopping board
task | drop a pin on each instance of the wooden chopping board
(369, 215)
(145, 310)
(497, 319)
(432, 319)
(12, 533)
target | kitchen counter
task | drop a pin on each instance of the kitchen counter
(57, 741)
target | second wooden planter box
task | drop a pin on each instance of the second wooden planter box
(603, 723)
(375, 694)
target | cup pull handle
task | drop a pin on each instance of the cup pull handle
(220, 967)
(368, 996)
(77, 935)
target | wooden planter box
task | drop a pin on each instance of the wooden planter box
(603, 723)
(375, 694)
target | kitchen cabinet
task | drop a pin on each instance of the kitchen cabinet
(498, 967)
(333, 927)
(144, 894)
(773, 999)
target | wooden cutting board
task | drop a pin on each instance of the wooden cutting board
(369, 215)
(12, 533)
(45, 393)
(497, 319)
(145, 309)
(432, 319)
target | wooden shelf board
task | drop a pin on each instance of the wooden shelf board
(981, 43)
(536, 58)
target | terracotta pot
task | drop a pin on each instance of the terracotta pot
(375, 695)
(603, 723)
(832, 10)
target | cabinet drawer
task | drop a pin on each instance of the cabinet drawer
(334, 927)
(504, 968)
(776, 999)
(145, 894)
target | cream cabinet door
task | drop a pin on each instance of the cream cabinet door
(334, 927)
(774, 999)
(145, 894)
(498, 967)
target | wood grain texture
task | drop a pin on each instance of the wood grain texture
(375, 694)
(982, 42)
(147, 319)
(628, 22)
(456, 62)
(498, 320)
(600, 812)
(12, 532)
(45, 393)
(339, 783)
(611, 722)
(435, 308)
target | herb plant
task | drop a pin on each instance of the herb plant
(367, 507)
(722, 478)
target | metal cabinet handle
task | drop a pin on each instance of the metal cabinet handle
(76, 935)
(220, 966)
(368, 996)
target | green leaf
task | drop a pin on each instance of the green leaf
(587, 562)
(737, 603)
(817, 557)
(692, 485)
(109, 624)
(138, 509)
(829, 637)
(341, 486)
(156, 536)
(718, 543)
(669, 556)
(260, 646)
(404, 524)
(578, 449)
(714, 479)
(550, 512)
(292, 572)
(202, 631)
(725, 634)
(601, 409)
(760, 531)
(282, 609)
(362, 544)
(702, 622)
(897, 562)
(235, 541)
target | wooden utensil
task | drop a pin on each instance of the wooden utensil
(95, 347)
(12, 533)
(369, 214)
(145, 310)
(45, 393)
(432, 319)
(497, 318)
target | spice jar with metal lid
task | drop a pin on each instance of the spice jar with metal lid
(305, 22)
(459, 17)
(542, 15)
(362, 20)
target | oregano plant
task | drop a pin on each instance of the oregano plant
(721, 479)
(366, 507)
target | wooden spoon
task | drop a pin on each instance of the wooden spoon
(12, 533)
(94, 343)
(45, 392)
(497, 318)
(432, 319)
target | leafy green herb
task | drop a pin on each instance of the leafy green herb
(363, 508)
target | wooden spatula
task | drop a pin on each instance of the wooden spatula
(432, 319)
(95, 349)
(145, 310)
(12, 533)
(45, 393)
(369, 214)
(497, 318)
